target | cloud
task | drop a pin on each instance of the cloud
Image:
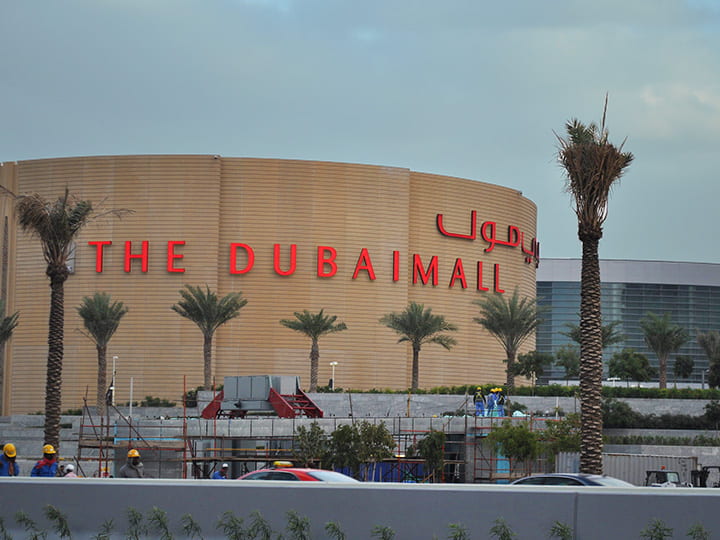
(679, 110)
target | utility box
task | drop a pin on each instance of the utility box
(278, 394)
(251, 392)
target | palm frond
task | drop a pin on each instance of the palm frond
(418, 325)
(593, 165)
(101, 316)
(314, 325)
(509, 321)
(206, 310)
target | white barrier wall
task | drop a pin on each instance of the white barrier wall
(412, 511)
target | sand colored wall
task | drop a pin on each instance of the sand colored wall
(211, 202)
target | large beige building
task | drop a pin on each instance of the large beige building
(358, 241)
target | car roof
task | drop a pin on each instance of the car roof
(583, 476)
(290, 469)
(316, 474)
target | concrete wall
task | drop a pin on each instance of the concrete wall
(412, 511)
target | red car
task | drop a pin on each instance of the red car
(297, 474)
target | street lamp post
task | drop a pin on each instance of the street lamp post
(332, 378)
(112, 383)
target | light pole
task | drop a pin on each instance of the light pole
(332, 378)
(112, 383)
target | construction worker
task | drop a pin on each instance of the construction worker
(496, 402)
(222, 473)
(479, 400)
(133, 468)
(8, 467)
(70, 471)
(48, 465)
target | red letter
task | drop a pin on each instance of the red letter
(322, 261)
(364, 263)
(172, 255)
(458, 273)
(142, 256)
(396, 265)
(480, 278)
(431, 270)
(99, 253)
(473, 227)
(276, 260)
(497, 279)
(233, 258)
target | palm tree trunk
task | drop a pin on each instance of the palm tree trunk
(590, 360)
(314, 359)
(3, 295)
(510, 372)
(415, 368)
(662, 383)
(53, 382)
(101, 380)
(207, 362)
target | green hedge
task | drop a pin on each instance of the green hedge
(557, 390)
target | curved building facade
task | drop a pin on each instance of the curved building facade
(358, 241)
(688, 292)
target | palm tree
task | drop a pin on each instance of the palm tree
(314, 326)
(7, 325)
(419, 326)
(592, 165)
(510, 322)
(208, 312)
(710, 343)
(610, 334)
(664, 338)
(56, 224)
(101, 318)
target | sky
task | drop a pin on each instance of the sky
(465, 88)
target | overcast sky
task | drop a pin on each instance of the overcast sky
(464, 88)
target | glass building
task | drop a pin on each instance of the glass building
(689, 292)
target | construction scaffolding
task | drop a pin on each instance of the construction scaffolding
(103, 443)
(195, 447)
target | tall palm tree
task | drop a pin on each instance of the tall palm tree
(418, 326)
(664, 338)
(101, 318)
(710, 343)
(510, 322)
(56, 224)
(208, 312)
(592, 165)
(7, 325)
(314, 326)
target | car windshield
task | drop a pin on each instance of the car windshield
(330, 476)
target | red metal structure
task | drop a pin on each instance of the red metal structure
(262, 393)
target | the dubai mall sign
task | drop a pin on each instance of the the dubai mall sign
(241, 257)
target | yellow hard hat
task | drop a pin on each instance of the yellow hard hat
(133, 453)
(48, 449)
(9, 450)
